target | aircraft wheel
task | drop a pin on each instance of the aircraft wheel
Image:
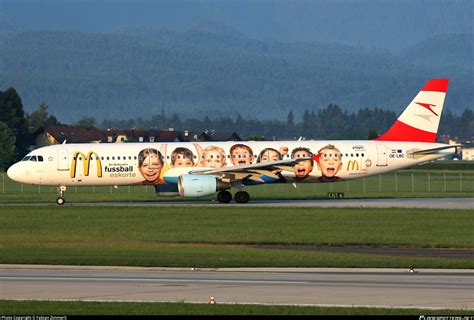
(60, 201)
(242, 197)
(224, 197)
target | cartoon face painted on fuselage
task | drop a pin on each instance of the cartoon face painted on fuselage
(330, 162)
(303, 168)
(270, 156)
(213, 159)
(183, 162)
(241, 156)
(151, 167)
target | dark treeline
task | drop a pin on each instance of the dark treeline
(207, 72)
(330, 122)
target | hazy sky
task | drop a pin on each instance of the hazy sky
(382, 23)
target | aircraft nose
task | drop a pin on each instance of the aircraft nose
(14, 172)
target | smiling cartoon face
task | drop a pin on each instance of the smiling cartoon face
(151, 167)
(302, 168)
(330, 162)
(182, 157)
(213, 159)
(269, 155)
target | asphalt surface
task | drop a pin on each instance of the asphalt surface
(430, 203)
(435, 289)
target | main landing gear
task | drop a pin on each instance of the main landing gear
(240, 197)
(60, 200)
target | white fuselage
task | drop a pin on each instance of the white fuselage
(119, 163)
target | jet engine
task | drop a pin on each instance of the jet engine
(166, 190)
(194, 185)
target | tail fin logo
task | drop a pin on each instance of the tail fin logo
(427, 106)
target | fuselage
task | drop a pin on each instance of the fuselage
(139, 163)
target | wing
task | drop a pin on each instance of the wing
(252, 171)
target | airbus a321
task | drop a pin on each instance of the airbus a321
(197, 169)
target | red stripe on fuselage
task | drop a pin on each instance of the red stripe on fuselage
(438, 85)
(403, 132)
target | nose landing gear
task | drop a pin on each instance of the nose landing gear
(60, 199)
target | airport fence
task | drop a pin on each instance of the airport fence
(400, 182)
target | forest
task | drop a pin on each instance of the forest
(221, 74)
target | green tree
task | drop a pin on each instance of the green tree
(40, 118)
(372, 134)
(290, 119)
(7, 146)
(86, 121)
(12, 114)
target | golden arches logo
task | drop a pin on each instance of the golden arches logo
(353, 165)
(86, 163)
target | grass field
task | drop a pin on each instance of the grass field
(155, 308)
(228, 237)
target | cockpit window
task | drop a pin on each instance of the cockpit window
(26, 158)
(33, 158)
(40, 158)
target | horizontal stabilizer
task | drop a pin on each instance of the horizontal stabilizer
(432, 150)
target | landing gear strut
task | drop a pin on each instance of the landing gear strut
(60, 200)
(224, 197)
(242, 197)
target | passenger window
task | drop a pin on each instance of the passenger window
(108, 158)
(357, 154)
(352, 155)
(362, 155)
(102, 158)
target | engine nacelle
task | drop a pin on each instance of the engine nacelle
(194, 185)
(166, 190)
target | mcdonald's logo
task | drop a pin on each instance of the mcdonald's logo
(353, 165)
(86, 162)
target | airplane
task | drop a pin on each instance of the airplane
(197, 169)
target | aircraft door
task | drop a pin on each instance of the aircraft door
(63, 159)
(381, 155)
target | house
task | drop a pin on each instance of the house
(50, 135)
(135, 135)
(211, 135)
(188, 136)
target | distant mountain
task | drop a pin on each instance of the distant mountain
(391, 25)
(207, 70)
(443, 52)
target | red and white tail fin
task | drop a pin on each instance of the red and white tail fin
(420, 120)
